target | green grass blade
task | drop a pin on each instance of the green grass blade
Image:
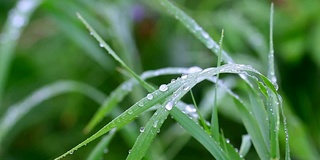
(214, 115)
(148, 133)
(17, 20)
(101, 147)
(120, 92)
(20, 109)
(271, 72)
(195, 29)
(103, 44)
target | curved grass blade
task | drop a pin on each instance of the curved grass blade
(120, 92)
(17, 20)
(158, 96)
(20, 109)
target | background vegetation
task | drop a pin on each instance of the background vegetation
(55, 46)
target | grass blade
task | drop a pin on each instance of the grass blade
(17, 20)
(100, 149)
(195, 29)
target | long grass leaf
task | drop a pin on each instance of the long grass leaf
(103, 44)
(17, 20)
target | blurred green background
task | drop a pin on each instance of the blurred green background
(54, 46)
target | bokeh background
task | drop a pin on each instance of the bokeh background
(54, 45)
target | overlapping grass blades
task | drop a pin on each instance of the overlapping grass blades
(168, 96)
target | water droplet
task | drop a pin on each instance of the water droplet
(163, 88)
(205, 35)
(71, 152)
(186, 87)
(142, 129)
(169, 105)
(101, 45)
(184, 76)
(158, 131)
(227, 140)
(130, 111)
(105, 151)
(190, 109)
(91, 33)
(237, 150)
(194, 69)
(129, 151)
(173, 81)
(149, 96)
(155, 124)
(241, 156)
(140, 104)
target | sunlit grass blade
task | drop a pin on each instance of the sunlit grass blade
(20, 109)
(103, 44)
(11, 31)
(101, 147)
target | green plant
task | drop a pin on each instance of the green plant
(261, 118)
(256, 100)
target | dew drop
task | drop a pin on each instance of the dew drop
(163, 88)
(184, 76)
(186, 87)
(140, 104)
(142, 129)
(130, 111)
(149, 96)
(71, 152)
(129, 151)
(101, 45)
(155, 124)
(205, 35)
(227, 140)
(173, 81)
(169, 105)
(158, 131)
(91, 33)
(194, 69)
(105, 151)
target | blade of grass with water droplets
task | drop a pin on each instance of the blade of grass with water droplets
(103, 44)
(145, 103)
(148, 133)
(195, 29)
(120, 92)
(214, 114)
